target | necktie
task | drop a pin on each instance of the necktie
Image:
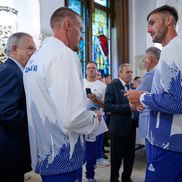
(127, 86)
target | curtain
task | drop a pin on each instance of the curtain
(121, 22)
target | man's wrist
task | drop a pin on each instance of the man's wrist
(142, 98)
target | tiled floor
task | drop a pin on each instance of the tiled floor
(103, 173)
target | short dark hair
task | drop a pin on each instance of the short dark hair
(91, 62)
(106, 75)
(166, 8)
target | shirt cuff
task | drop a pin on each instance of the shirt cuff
(142, 99)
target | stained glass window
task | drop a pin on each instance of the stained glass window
(78, 7)
(101, 41)
(101, 2)
(98, 31)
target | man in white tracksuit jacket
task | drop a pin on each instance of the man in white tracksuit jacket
(56, 103)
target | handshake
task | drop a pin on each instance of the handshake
(134, 98)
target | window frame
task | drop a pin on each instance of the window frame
(90, 6)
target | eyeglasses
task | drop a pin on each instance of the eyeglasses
(91, 68)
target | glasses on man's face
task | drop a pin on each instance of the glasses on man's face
(91, 68)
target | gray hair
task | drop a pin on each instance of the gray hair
(122, 66)
(15, 39)
(154, 51)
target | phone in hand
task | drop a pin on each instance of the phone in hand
(123, 91)
(88, 91)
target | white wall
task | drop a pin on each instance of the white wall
(138, 11)
(47, 7)
(114, 53)
(27, 19)
(178, 5)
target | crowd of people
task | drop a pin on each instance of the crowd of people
(51, 118)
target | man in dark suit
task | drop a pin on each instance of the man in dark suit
(14, 141)
(122, 128)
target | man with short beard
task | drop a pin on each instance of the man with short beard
(164, 137)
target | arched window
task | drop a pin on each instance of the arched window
(101, 40)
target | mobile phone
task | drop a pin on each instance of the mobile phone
(88, 91)
(123, 91)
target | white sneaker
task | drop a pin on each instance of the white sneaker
(91, 180)
(103, 162)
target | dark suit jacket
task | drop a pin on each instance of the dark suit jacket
(14, 141)
(116, 103)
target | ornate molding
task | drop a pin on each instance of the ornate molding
(8, 9)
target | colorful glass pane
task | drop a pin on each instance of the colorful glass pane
(101, 41)
(75, 5)
(78, 7)
(100, 34)
(101, 2)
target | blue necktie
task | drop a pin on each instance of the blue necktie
(127, 86)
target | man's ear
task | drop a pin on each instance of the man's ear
(150, 59)
(14, 49)
(169, 20)
(68, 24)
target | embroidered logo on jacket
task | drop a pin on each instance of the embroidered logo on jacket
(151, 168)
(31, 68)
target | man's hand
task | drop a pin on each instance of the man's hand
(134, 97)
(94, 99)
(99, 115)
(132, 107)
(140, 108)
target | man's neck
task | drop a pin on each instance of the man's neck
(169, 37)
(91, 79)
